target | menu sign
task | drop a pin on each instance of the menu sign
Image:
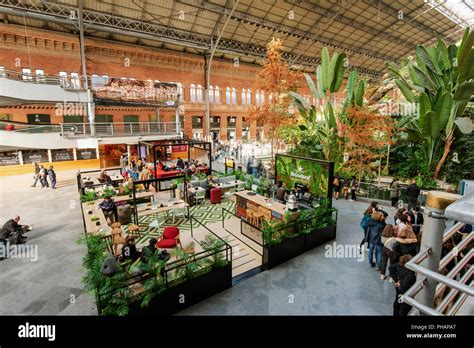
(86, 154)
(35, 156)
(137, 91)
(62, 155)
(9, 158)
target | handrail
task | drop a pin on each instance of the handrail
(451, 295)
(66, 81)
(455, 228)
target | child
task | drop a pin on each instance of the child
(52, 177)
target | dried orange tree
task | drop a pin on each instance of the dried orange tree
(275, 80)
(365, 134)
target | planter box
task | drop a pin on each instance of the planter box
(320, 236)
(277, 254)
(186, 294)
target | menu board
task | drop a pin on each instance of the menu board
(35, 156)
(86, 154)
(62, 155)
(9, 158)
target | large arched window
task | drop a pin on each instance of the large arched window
(234, 96)
(228, 96)
(199, 93)
(249, 96)
(211, 94)
(244, 96)
(259, 98)
(192, 93)
(217, 95)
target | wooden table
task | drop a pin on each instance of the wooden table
(167, 206)
(91, 226)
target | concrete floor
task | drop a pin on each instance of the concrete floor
(308, 284)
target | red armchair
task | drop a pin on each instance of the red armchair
(169, 239)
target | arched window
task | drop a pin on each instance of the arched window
(227, 96)
(249, 96)
(234, 96)
(211, 94)
(244, 96)
(217, 95)
(192, 93)
(199, 94)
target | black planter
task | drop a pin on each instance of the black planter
(186, 294)
(277, 254)
(320, 236)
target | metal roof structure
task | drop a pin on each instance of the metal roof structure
(370, 32)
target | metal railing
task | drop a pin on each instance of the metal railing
(459, 277)
(119, 128)
(29, 128)
(69, 82)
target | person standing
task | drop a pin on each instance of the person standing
(374, 237)
(388, 241)
(36, 176)
(337, 187)
(404, 280)
(417, 219)
(52, 177)
(145, 174)
(394, 192)
(255, 166)
(249, 164)
(43, 176)
(413, 191)
(354, 185)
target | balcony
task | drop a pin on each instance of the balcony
(17, 88)
(120, 129)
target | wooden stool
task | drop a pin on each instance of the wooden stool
(249, 213)
(117, 240)
(116, 225)
(134, 230)
(258, 215)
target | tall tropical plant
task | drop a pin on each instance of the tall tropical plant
(440, 81)
(321, 125)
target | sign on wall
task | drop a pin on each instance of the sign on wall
(137, 91)
(35, 156)
(86, 154)
(62, 155)
(9, 158)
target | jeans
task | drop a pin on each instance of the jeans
(44, 182)
(53, 183)
(255, 172)
(378, 254)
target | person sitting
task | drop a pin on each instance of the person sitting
(12, 226)
(149, 250)
(104, 178)
(109, 208)
(129, 249)
(180, 164)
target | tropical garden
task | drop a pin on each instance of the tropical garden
(414, 124)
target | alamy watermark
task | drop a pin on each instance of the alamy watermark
(344, 251)
(19, 251)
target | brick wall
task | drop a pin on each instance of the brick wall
(54, 52)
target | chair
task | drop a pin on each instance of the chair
(241, 186)
(179, 212)
(257, 218)
(117, 240)
(134, 230)
(200, 196)
(250, 215)
(254, 188)
(169, 239)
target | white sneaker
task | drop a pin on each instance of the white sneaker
(390, 280)
(383, 276)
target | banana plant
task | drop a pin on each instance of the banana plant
(322, 124)
(440, 81)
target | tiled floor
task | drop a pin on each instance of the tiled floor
(308, 284)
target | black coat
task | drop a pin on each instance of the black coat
(409, 247)
(406, 277)
(413, 191)
(374, 231)
(9, 227)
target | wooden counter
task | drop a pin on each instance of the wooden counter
(91, 226)
(276, 210)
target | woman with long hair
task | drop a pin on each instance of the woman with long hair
(388, 240)
(374, 237)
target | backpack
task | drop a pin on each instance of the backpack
(364, 222)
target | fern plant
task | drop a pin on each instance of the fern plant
(89, 196)
(213, 246)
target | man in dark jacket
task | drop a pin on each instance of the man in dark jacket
(36, 177)
(404, 280)
(109, 208)
(52, 177)
(416, 219)
(12, 226)
(413, 191)
(180, 163)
